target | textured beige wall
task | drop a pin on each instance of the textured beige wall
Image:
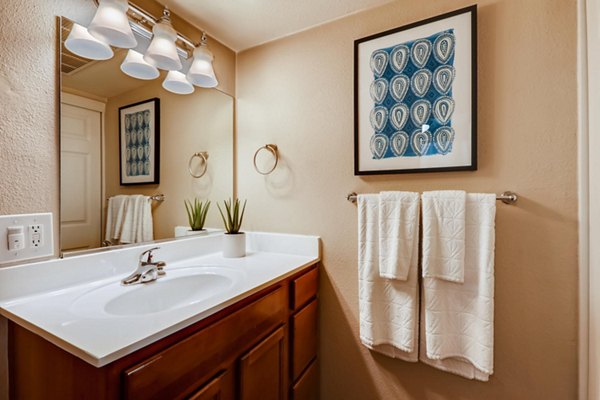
(202, 121)
(298, 93)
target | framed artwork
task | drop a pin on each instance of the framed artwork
(139, 142)
(415, 97)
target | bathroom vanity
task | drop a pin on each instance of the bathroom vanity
(252, 338)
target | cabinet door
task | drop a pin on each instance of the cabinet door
(213, 390)
(262, 369)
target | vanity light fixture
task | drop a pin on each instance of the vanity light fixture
(114, 23)
(111, 24)
(201, 72)
(176, 82)
(135, 66)
(82, 43)
(162, 52)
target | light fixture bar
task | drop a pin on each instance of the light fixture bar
(142, 23)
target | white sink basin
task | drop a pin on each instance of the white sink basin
(181, 287)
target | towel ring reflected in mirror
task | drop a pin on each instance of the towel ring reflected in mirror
(203, 156)
(272, 148)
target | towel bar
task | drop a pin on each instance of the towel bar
(507, 197)
(155, 197)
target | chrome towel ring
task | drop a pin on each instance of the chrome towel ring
(272, 148)
(203, 156)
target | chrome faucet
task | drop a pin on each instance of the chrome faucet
(147, 270)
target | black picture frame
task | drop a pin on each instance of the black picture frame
(139, 143)
(398, 163)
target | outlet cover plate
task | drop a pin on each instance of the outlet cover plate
(46, 247)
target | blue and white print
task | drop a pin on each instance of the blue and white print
(137, 142)
(412, 97)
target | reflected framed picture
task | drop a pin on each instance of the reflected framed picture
(415, 97)
(139, 142)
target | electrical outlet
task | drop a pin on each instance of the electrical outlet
(25, 236)
(36, 235)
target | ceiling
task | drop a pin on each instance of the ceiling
(241, 24)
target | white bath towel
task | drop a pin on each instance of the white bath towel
(129, 219)
(115, 213)
(444, 235)
(398, 232)
(388, 307)
(457, 332)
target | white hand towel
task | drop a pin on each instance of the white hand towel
(458, 318)
(444, 235)
(387, 307)
(115, 212)
(127, 230)
(145, 223)
(398, 232)
(137, 221)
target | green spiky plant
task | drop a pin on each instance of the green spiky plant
(233, 221)
(196, 213)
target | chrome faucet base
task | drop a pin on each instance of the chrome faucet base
(147, 271)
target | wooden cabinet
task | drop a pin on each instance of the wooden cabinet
(303, 341)
(261, 348)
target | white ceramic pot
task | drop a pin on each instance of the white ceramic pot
(234, 245)
(191, 232)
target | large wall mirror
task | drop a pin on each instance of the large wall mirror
(92, 151)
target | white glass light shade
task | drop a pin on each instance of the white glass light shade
(135, 66)
(83, 44)
(176, 82)
(201, 72)
(162, 52)
(111, 25)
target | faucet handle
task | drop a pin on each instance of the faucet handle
(160, 266)
(149, 252)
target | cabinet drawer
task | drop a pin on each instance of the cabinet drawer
(307, 387)
(304, 334)
(304, 288)
(176, 371)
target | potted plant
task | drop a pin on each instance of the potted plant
(234, 241)
(196, 213)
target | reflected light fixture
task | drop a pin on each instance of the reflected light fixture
(162, 52)
(111, 24)
(82, 43)
(135, 66)
(177, 83)
(201, 72)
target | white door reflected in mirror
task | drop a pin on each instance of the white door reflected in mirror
(80, 155)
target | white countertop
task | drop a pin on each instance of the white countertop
(47, 308)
